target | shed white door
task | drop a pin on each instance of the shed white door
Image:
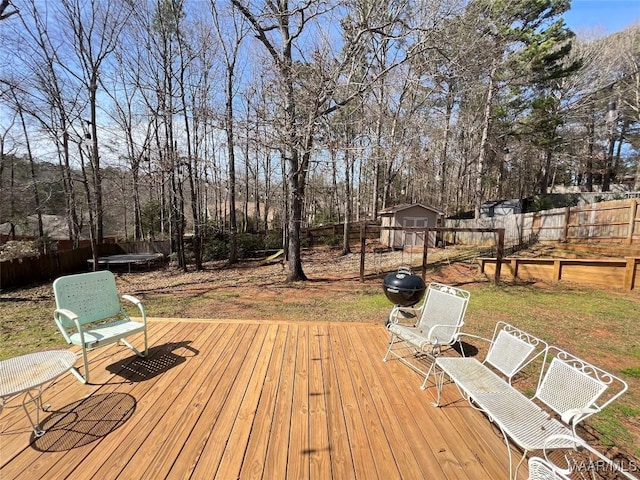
(414, 238)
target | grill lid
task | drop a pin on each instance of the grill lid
(403, 288)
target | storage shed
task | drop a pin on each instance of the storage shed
(406, 216)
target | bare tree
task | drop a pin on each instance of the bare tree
(52, 101)
(36, 195)
(231, 35)
(307, 88)
(95, 27)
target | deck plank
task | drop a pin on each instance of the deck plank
(256, 450)
(111, 459)
(401, 432)
(378, 442)
(277, 451)
(298, 459)
(363, 460)
(243, 399)
(319, 452)
(232, 458)
(154, 457)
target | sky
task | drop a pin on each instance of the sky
(602, 16)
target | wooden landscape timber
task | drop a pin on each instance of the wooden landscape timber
(614, 272)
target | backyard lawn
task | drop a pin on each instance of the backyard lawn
(599, 325)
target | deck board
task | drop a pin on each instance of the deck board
(252, 400)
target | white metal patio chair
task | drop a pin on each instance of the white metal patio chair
(510, 350)
(89, 314)
(569, 391)
(439, 320)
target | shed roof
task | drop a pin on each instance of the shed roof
(398, 208)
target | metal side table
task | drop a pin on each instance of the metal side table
(27, 374)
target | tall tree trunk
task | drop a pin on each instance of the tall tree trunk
(346, 247)
(36, 195)
(197, 240)
(590, 154)
(95, 160)
(233, 223)
(482, 156)
(91, 210)
(608, 164)
(445, 150)
(544, 180)
(375, 187)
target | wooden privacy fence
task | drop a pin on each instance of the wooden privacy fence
(613, 221)
(335, 232)
(612, 272)
(29, 270)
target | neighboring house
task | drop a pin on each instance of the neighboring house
(416, 215)
(500, 207)
(54, 226)
(55, 229)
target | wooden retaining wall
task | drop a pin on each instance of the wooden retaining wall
(621, 273)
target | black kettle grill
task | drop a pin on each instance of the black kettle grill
(403, 288)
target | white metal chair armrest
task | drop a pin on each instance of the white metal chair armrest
(541, 469)
(574, 415)
(132, 299)
(138, 304)
(397, 313)
(433, 337)
(67, 313)
(70, 316)
(560, 436)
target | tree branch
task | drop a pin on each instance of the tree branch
(4, 4)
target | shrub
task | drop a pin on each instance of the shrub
(18, 249)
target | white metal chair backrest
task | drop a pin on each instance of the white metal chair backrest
(445, 307)
(92, 296)
(559, 378)
(539, 469)
(512, 348)
(573, 388)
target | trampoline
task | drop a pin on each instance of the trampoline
(128, 259)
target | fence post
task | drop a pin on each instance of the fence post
(630, 273)
(514, 268)
(565, 230)
(557, 270)
(499, 255)
(425, 248)
(632, 220)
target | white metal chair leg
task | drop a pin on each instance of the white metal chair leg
(439, 384)
(135, 350)
(386, 356)
(426, 377)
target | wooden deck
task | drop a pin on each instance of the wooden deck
(235, 399)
